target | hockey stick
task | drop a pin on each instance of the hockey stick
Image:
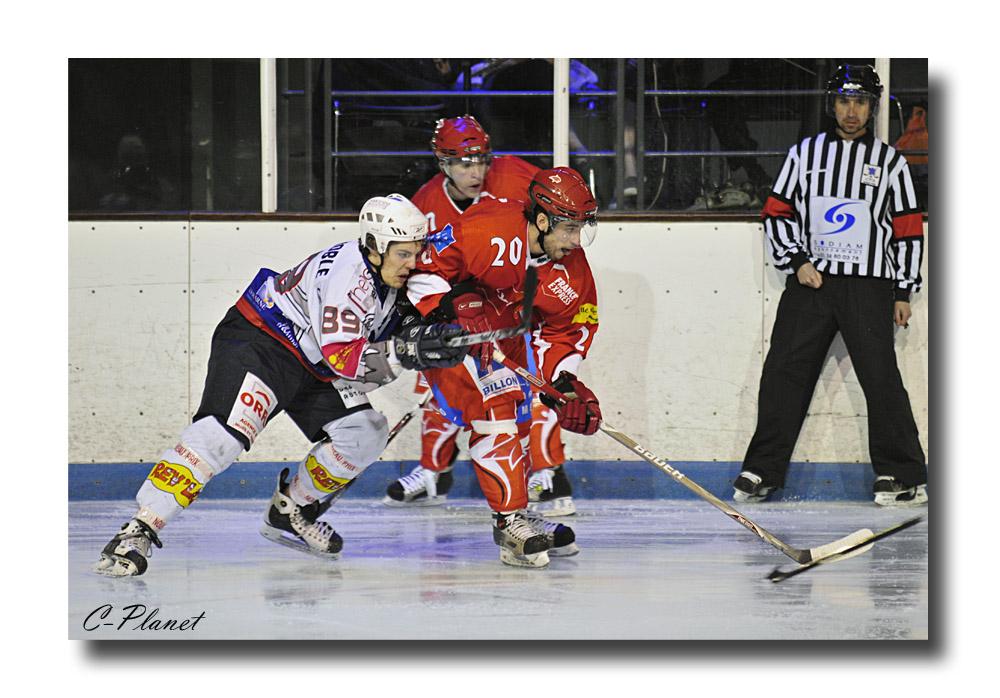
(778, 576)
(802, 556)
(409, 416)
(527, 304)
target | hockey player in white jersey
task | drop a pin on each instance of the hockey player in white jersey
(310, 342)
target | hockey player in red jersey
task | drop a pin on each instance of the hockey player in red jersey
(473, 273)
(310, 342)
(470, 173)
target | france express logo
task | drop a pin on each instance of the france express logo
(442, 239)
(321, 477)
(561, 289)
(177, 480)
(253, 407)
(586, 315)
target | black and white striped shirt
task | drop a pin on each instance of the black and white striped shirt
(848, 207)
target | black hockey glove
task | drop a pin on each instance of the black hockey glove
(423, 346)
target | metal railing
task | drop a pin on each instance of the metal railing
(332, 114)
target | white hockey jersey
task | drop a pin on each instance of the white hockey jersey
(327, 310)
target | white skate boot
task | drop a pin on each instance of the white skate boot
(127, 554)
(420, 488)
(550, 494)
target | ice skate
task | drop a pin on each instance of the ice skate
(750, 487)
(890, 492)
(127, 554)
(550, 494)
(420, 488)
(562, 539)
(520, 544)
(288, 524)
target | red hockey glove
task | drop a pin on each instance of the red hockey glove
(470, 316)
(582, 413)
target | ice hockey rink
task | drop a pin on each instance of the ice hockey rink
(648, 569)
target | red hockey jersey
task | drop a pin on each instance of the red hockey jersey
(507, 178)
(489, 244)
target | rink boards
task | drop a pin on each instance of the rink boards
(685, 308)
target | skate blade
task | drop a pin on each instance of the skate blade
(112, 567)
(888, 500)
(422, 502)
(744, 498)
(564, 551)
(534, 561)
(276, 535)
(563, 506)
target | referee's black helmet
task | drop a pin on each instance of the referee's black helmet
(854, 80)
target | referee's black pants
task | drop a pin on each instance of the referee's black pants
(808, 319)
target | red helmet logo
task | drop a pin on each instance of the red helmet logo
(460, 137)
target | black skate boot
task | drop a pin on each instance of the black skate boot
(562, 539)
(750, 487)
(550, 494)
(420, 488)
(127, 554)
(520, 544)
(890, 492)
(294, 526)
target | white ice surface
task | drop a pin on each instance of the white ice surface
(648, 570)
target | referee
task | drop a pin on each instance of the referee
(844, 223)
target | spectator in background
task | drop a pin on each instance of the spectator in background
(508, 116)
(135, 186)
(915, 138)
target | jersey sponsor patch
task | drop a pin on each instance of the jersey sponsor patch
(175, 479)
(350, 394)
(871, 175)
(321, 477)
(840, 229)
(561, 289)
(586, 315)
(253, 407)
(442, 239)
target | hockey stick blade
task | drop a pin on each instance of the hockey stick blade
(527, 306)
(799, 555)
(861, 546)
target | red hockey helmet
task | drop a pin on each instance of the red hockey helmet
(564, 195)
(460, 137)
(562, 192)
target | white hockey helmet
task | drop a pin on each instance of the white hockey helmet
(391, 218)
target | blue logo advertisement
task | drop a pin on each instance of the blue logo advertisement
(835, 217)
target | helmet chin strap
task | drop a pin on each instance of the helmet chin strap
(543, 233)
(377, 268)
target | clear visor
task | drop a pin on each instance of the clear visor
(567, 228)
(481, 159)
(832, 98)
